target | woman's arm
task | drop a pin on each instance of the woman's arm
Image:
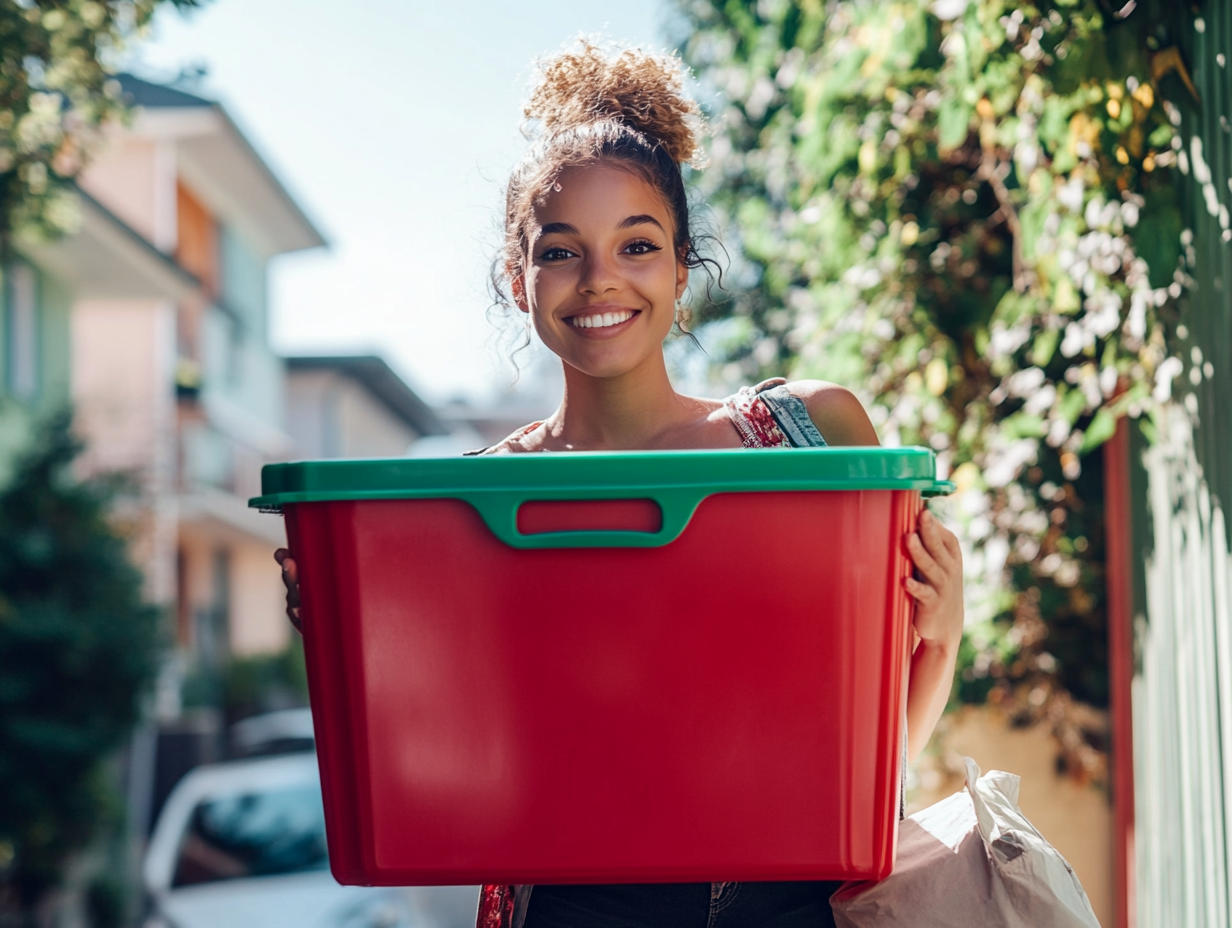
(938, 621)
(934, 549)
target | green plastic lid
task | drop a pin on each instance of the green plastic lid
(497, 485)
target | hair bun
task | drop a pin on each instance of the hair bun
(643, 91)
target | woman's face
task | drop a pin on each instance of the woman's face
(602, 276)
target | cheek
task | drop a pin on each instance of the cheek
(658, 279)
(545, 283)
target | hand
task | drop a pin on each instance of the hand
(290, 578)
(938, 591)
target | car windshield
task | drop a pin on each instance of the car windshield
(253, 834)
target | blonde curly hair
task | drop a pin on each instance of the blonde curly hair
(624, 107)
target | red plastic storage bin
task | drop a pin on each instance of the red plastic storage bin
(616, 667)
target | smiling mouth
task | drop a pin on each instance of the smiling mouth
(601, 320)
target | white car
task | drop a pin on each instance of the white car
(243, 844)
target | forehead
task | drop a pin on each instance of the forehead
(596, 196)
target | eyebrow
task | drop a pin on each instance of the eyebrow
(641, 219)
(563, 228)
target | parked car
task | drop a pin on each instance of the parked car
(242, 844)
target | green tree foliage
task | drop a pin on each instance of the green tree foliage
(252, 684)
(78, 647)
(57, 94)
(265, 682)
(965, 210)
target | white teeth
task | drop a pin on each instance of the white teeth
(600, 320)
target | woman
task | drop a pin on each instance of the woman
(597, 254)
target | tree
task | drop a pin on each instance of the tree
(937, 203)
(78, 648)
(57, 94)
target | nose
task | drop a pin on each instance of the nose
(599, 275)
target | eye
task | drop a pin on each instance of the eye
(642, 247)
(556, 253)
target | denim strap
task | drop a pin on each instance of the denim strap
(792, 417)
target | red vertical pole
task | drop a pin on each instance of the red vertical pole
(1119, 578)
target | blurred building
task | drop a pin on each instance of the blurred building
(181, 387)
(105, 260)
(152, 321)
(354, 406)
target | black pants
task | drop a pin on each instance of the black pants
(683, 905)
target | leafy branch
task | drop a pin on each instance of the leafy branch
(966, 211)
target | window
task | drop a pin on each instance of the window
(21, 332)
(254, 834)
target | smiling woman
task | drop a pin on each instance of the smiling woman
(597, 253)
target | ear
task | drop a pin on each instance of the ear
(517, 289)
(682, 277)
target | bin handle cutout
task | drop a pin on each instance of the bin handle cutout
(550, 516)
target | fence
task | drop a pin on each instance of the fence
(1182, 629)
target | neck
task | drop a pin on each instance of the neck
(628, 412)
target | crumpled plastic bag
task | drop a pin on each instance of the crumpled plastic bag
(971, 859)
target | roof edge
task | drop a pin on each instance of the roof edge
(263, 166)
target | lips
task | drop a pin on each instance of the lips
(601, 320)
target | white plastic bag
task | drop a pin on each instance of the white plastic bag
(971, 859)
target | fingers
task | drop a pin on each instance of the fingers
(924, 594)
(924, 562)
(290, 579)
(935, 551)
(939, 540)
(290, 573)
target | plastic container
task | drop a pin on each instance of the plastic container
(607, 667)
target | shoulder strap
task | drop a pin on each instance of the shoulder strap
(792, 417)
(770, 416)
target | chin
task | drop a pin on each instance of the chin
(605, 368)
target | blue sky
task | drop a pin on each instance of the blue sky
(395, 123)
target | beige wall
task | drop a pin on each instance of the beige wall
(331, 415)
(197, 585)
(259, 624)
(135, 179)
(1075, 818)
(123, 352)
(369, 429)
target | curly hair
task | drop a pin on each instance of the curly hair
(627, 108)
(641, 91)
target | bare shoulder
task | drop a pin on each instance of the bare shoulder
(836, 412)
